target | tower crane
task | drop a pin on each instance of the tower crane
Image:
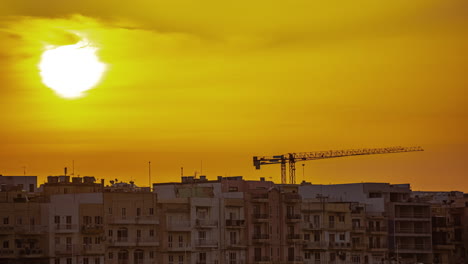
(292, 158)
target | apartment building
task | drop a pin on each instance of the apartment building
(23, 229)
(229, 221)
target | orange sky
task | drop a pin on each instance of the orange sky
(219, 82)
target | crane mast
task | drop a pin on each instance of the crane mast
(292, 158)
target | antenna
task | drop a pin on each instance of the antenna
(201, 167)
(181, 171)
(149, 174)
(73, 167)
(24, 170)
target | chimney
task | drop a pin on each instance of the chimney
(262, 178)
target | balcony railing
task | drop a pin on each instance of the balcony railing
(292, 197)
(147, 241)
(206, 243)
(35, 252)
(65, 228)
(31, 229)
(178, 225)
(294, 236)
(92, 229)
(261, 236)
(93, 248)
(66, 249)
(260, 216)
(414, 246)
(377, 229)
(261, 259)
(412, 215)
(339, 244)
(234, 223)
(206, 223)
(293, 217)
(308, 225)
(316, 245)
(260, 196)
(410, 230)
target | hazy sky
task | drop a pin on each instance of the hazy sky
(208, 84)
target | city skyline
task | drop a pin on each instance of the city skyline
(208, 85)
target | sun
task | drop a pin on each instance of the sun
(72, 69)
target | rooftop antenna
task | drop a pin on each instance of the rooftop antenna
(149, 174)
(73, 168)
(65, 171)
(24, 170)
(201, 167)
(181, 171)
(303, 171)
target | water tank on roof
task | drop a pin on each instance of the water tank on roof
(89, 179)
(52, 179)
(64, 178)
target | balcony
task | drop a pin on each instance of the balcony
(260, 198)
(7, 253)
(147, 241)
(359, 246)
(292, 198)
(31, 229)
(262, 260)
(295, 260)
(206, 243)
(261, 238)
(204, 223)
(358, 229)
(7, 229)
(260, 217)
(182, 248)
(294, 238)
(179, 226)
(413, 231)
(414, 247)
(236, 245)
(311, 226)
(339, 245)
(66, 228)
(92, 249)
(92, 229)
(377, 230)
(235, 223)
(122, 242)
(412, 215)
(315, 245)
(66, 249)
(293, 218)
(126, 220)
(30, 253)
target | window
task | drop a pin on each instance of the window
(342, 236)
(169, 241)
(202, 257)
(87, 220)
(356, 259)
(171, 259)
(232, 258)
(124, 212)
(316, 220)
(375, 195)
(122, 234)
(181, 259)
(98, 220)
(138, 233)
(331, 237)
(97, 260)
(109, 210)
(233, 189)
(317, 257)
(57, 240)
(202, 235)
(181, 241)
(85, 261)
(97, 240)
(151, 254)
(151, 233)
(31, 187)
(138, 211)
(258, 254)
(341, 218)
(332, 257)
(32, 221)
(317, 236)
(233, 238)
(307, 237)
(6, 220)
(6, 244)
(151, 211)
(307, 255)
(110, 233)
(69, 261)
(69, 221)
(57, 261)
(111, 255)
(19, 220)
